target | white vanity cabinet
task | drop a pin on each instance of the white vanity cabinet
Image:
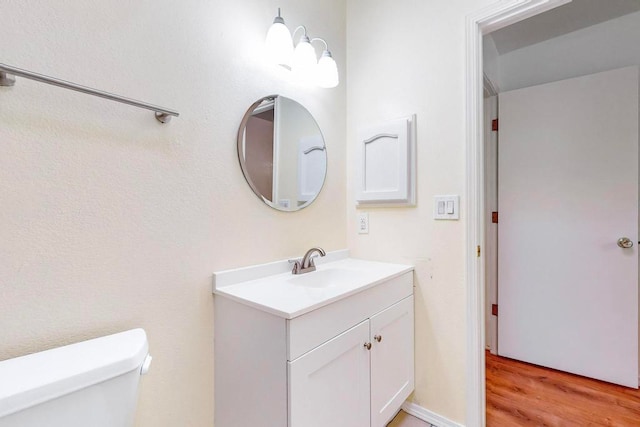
(349, 363)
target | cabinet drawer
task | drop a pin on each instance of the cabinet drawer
(312, 329)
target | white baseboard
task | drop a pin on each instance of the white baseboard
(428, 416)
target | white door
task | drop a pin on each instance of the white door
(568, 190)
(391, 360)
(329, 386)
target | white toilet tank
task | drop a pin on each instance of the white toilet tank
(92, 383)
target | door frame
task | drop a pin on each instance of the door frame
(482, 22)
(490, 247)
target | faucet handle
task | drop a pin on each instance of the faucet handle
(297, 265)
(311, 259)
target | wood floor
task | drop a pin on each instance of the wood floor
(520, 394)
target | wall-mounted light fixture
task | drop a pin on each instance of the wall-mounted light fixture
(302, 60)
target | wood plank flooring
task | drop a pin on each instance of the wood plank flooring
(521, 394)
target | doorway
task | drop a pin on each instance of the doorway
(484, 22)
(568, 189)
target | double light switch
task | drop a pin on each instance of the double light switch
(446, 207)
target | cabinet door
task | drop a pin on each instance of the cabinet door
(391, 360)
(329, 386)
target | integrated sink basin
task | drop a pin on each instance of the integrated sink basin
(272, 288)
(328, 277)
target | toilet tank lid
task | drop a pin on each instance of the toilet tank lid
(35, 378)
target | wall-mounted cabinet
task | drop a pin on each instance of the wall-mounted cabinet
(386, 164)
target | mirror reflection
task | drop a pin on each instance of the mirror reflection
(282, 153)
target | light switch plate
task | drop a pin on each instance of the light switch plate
(363, 223)
(446, 207)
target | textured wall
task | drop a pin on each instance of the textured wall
(404, 57)
(110, 220)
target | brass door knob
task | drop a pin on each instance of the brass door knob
(367, 345)
(377, 338)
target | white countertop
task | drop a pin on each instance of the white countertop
(288, 295)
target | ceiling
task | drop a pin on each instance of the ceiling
(559, 21)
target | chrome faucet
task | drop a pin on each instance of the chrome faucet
(306, 265)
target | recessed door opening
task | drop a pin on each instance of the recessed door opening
(560, 189)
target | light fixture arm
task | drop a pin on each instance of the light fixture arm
(326, 46)
(293, 35)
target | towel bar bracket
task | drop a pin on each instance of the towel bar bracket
(6, 79)
(163, 117)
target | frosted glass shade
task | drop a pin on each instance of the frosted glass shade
(304, 61)
(327, 71)
(279, 44)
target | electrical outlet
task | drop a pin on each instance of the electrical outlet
(363, 223)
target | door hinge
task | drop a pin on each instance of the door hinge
(494, 217)
(478, 250)
(494, 125)
(494, 309)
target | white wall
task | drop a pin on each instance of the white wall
(606, 46)
(404, 57)
(110, 220)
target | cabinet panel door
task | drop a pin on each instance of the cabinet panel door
(391, 360)
(329, 386)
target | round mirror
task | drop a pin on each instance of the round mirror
(282, 153)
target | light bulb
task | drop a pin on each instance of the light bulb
(279, 44)
(327, 71)
(304, 61)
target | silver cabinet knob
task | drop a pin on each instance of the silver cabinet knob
(367, 345)
(625, 243)
(377, 338)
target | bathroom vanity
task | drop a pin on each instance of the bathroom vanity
(333, 347)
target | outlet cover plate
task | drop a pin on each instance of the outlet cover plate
(363, 223)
